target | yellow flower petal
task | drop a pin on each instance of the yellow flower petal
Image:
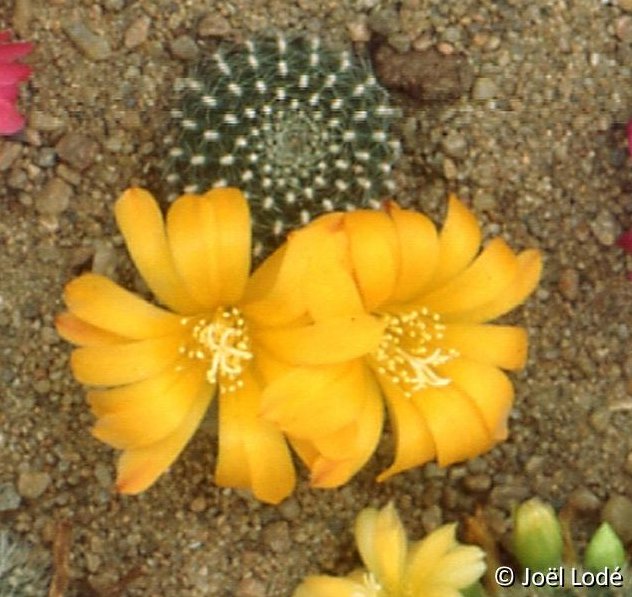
(313, 401)
(328, 586)
(123, 363)
(252, 452)
(459, 241)
(455, 423)
(139, 414)
(332, 341)
(232, 238)
(439, 562)
(358, 443)
(272, 296)
(413, 442)
(192, 234)
(97, 300)
(499, 345)
(488, 387)
(138, 468)
(523, 284)
(488, 275)
(374, 250)
(460, 568)
(77, 331)
(418, 251)
(382, 543)
(142, 226)
(329, 287)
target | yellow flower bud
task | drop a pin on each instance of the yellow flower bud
(537, 536)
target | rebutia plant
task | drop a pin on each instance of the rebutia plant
(22, 572)
(300, 128)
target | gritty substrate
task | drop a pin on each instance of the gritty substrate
(535, 145)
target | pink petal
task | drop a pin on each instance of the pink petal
(11, 120)
(10, 74)
(9, 92)
(12, 51)
(5, 35)
(625, 241)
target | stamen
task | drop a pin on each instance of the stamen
(406, 353)
(224, 342)
(370, 588)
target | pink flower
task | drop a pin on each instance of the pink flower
(625, 241)
(11, 75)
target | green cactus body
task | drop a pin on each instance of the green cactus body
(299, 128)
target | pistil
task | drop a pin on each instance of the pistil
(223, 341)
(407, 355)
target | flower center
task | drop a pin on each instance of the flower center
(223, 341)
(406, 353)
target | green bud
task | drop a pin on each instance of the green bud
(604, 550)
(537, 536)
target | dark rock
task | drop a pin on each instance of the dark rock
(77, 150)
(426, 76)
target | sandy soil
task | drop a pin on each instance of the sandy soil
(536, 145)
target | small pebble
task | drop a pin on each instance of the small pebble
(290, 509)
(455, 145)
(568, 283)
(32, 485)
(54, 198)
(22, 15)
(213, 25)
(251, 587)
(46, 157)
(605, 228)
(359, 31)
(136, 33)
(623, 28)
(426, 75)
(600, 419)
(9, 152)
(449, 169)
(477, 483)
(93, 46)
(9, 497)
(77, 150)
(42, 387)
(42, 121)
(384, 21)
(484, 89)
(276, 536)
(103, 475)
(625, 5)
(198, 505)
(584, 500)
(431, 518)
(105, 259)
(184, 48)
(618, 513)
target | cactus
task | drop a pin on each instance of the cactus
(301, 129)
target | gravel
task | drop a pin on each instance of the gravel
(519, 108)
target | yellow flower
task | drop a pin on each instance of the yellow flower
(156, 370)
(437, 364)
(437, 566)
